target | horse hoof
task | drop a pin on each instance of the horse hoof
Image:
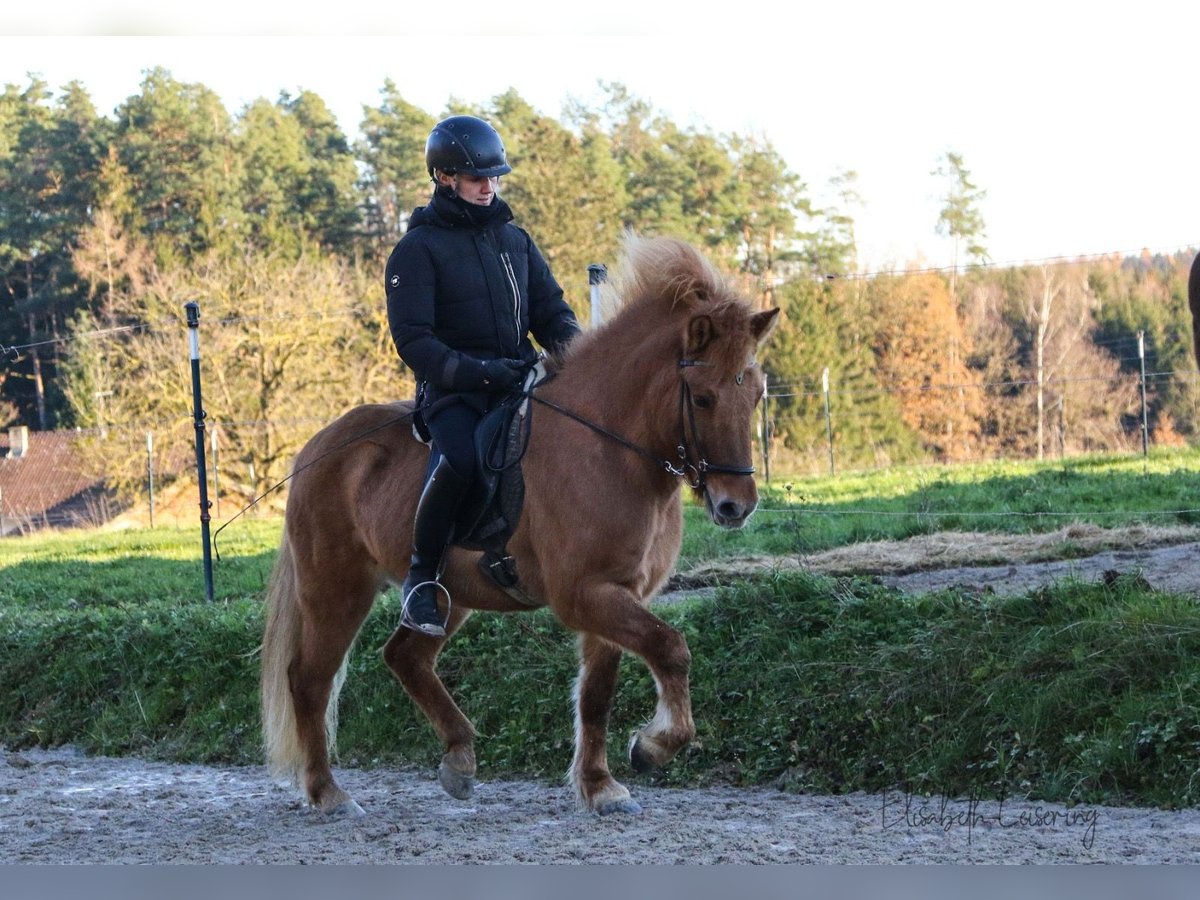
(457, 785)
(639, 759)
(347, 809)
(626, 805)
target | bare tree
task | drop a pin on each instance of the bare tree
(286, 345)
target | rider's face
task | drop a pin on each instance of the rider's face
(472, 188)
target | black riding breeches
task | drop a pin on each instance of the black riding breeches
(453, 430)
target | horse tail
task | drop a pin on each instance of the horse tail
(281, 640)
(286, 757)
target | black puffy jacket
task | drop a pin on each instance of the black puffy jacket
(459, 292)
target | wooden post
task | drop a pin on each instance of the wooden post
(828, 418)
(150, 471)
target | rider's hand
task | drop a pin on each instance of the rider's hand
(503, 374)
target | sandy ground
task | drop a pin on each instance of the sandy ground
(57, 806)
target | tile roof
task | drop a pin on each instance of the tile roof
(47, 486)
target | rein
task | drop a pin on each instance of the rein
(695, 475)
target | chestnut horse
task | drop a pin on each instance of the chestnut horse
(663, 393)
(1194, 304)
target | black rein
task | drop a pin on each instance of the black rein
(694, 474)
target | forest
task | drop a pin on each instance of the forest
(278, 225)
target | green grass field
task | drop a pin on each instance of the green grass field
(1082, 693)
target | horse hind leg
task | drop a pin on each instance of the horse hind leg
(305, 646)
(412, 657)
(315, 678)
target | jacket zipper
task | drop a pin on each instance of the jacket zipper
(512, 283)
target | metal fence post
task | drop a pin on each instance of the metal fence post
(597, 275)
(765, 429)
(1145, 420)
(193, 324)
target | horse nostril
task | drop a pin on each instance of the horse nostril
(730, 510)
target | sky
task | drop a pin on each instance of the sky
(1077, 119)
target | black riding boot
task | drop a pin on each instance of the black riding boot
(432, 530)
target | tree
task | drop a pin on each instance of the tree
(1067, 374)
(287, 344)
(48, 183)
(995, 360)
(920, 348)
(832, 250)
(176, 146)
(822, 328)
(1150, 296)
(326, 200)
(564, 189)
(393, 152)
(769, 200)
(960, 218)
(300, 177)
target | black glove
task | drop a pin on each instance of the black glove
(503, 374)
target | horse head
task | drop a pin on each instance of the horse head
(716, 336)
(722, 385)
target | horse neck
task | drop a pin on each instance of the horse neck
(625, 378)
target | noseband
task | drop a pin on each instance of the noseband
(687, 413)
(694, 474)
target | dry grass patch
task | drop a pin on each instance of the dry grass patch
(944, 550)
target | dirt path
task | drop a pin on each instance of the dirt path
(60, 807)
(1168, 559)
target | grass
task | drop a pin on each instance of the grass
(1084, 693)
(806, 515)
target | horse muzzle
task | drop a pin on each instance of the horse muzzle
(729, 512)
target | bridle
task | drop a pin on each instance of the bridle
(694, 474)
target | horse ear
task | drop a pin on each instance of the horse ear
(700, 334)
(763, 323)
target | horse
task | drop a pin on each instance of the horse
(659, 397)
(1194, 305)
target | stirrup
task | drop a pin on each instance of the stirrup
(432, 629)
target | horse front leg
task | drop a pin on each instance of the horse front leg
(595, 788)
(612, 619)
(412, 657)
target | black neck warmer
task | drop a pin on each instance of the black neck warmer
(462, 214)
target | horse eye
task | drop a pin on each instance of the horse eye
(702, 402)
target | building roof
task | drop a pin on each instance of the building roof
(47, 485)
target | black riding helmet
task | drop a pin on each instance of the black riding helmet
(465, 144)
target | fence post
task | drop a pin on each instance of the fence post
(193, 324)
(1145, 420)
(828, 419)
(150, 471)
(597, 275)
(765, 428)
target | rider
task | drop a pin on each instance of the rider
(465, 287)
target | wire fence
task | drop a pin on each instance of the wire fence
(152, 457)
